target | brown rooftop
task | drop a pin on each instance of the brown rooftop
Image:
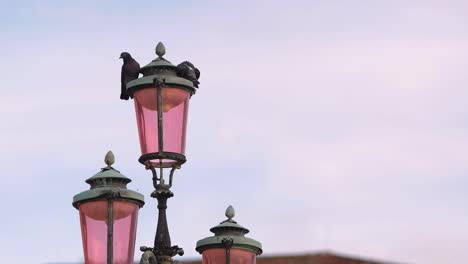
(317, 258)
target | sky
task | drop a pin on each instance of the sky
(329, 125)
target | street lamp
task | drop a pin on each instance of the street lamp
(229, 245)
(108, 216)
(108, 211)
(161, 98)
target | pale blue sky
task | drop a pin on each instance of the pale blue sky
(329, 125)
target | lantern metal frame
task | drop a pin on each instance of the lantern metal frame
(229, 235)
(109, 185)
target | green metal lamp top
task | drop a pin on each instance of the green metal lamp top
(168, 73)
(109, 183)
(229, 226)
(229, 229)
(159, 61)
(108, 173)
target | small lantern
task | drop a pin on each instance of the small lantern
(229, 245)
(161, 104)
(108, 216)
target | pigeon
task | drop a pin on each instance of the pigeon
(188, 71)
(130, 71)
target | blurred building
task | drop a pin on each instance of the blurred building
(313, 258)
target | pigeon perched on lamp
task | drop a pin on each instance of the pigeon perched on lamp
(130, 71)
(188, 71)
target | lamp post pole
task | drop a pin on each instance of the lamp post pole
(163, 251)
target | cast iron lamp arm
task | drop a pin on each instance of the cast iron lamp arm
(163, 251)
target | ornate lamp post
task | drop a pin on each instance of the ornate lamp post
(108, 216)
(108, 211)
(229, 245)
(161, 100)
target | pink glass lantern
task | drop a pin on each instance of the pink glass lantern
(161, 105)
(236, 256)
(108, 217)
(94, 226)
(229, 244)
(174, 110)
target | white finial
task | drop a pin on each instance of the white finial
(160, 49)
(230, 213)
(109, 159)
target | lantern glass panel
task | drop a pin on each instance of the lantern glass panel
(125, 224)
(93, 216)
(237, 256)
(175, 103)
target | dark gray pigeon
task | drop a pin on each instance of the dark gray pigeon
(188, 71)
(130, 71)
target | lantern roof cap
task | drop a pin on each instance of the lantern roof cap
(109, 183)
(229, 225)
(108, 172)
(232, 231)
(159, 61)
(162, 69)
